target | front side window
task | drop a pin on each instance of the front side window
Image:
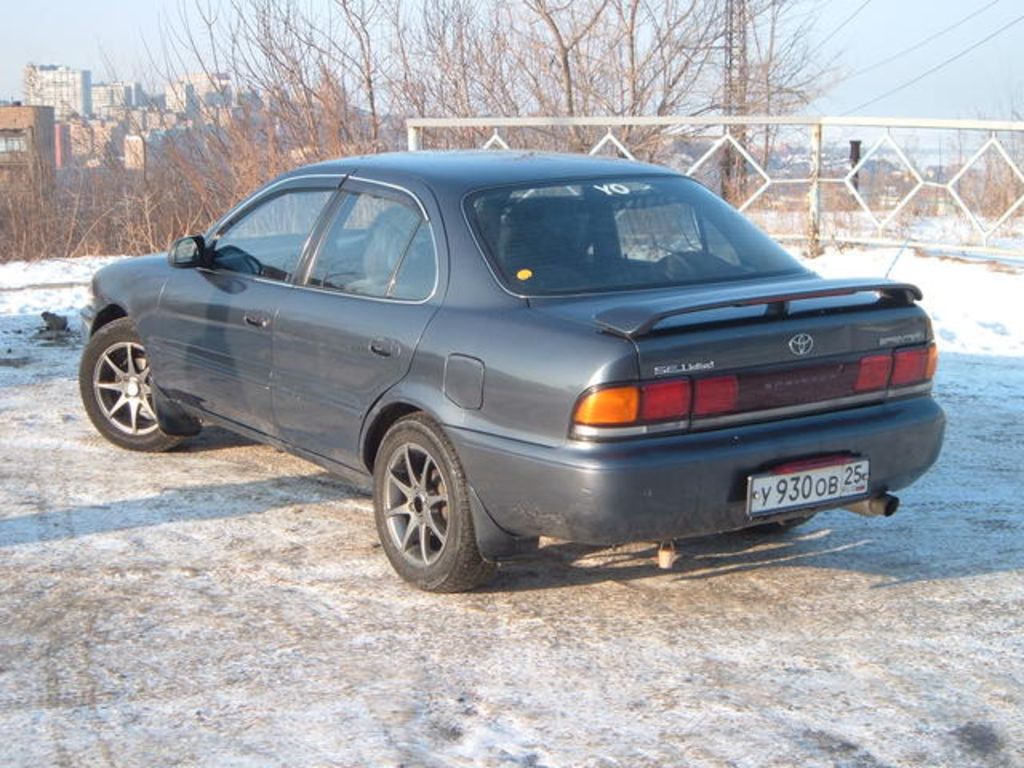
(377, 246)
(268, 240)
(618, 234)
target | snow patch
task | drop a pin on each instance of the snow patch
(974, 305)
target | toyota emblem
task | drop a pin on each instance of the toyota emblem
(801, 344)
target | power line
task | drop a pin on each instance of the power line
(843, 23)
(922, 43)
(937, 67)
(816, 9)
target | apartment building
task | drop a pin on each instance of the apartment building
(26, 144)
(67, 90)
(202, 90)
(111, 99)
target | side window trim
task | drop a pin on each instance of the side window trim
(396, 190)
(330, 183)
(356, 184)
(326, 181)
(401, 260)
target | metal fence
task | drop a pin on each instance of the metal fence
(945, 185)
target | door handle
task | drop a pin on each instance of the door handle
(383, 346)
(256, 321)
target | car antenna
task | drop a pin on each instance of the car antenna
(896, 258)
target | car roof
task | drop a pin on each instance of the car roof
(461, 171)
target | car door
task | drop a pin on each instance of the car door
(349, 330)
(216, 322)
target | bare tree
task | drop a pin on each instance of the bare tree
(311, 82)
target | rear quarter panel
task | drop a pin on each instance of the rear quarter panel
(535, 367)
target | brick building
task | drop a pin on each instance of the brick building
(26, 144)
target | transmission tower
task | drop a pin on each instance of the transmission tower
(734, 93)
(737, 69)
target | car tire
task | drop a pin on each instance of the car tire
(114, 382)
(780, 526)
(421, 507)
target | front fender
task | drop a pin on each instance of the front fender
(134, 285)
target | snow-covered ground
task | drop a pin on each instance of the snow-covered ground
(976, 307)
(227, 605)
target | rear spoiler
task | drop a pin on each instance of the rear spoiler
(641, 319)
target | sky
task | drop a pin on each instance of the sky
(987, 82)
(110, 37)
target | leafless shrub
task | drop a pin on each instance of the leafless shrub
(315, 84)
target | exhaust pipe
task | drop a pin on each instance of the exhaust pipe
(880, 506)
(667, 554)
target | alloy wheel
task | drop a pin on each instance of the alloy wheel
(416, 500)
(121, 384)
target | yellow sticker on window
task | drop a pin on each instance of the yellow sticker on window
(524, 274)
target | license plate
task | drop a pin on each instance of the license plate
(773, 492)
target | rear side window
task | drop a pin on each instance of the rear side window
(618, 234)
(377, 246)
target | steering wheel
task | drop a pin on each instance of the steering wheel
(237, 260)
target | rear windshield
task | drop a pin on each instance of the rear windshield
(618, 234)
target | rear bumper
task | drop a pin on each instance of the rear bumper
(683, 485)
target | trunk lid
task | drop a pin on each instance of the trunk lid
(756, 324)
(769, 348)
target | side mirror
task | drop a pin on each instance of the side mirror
(187, 252)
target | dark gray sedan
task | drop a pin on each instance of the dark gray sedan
(521, 345)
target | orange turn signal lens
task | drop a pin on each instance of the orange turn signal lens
(932, 364)
(608, 407)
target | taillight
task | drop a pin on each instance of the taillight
(618, 406)
(670, 404)
(612, 406)
(716, 395)
(873, 373)
(665, 400)
(913, 366)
